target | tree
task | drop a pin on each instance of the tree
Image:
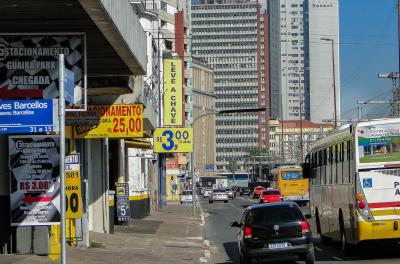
(233, 167)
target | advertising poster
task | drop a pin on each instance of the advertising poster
(73, 186)
(114, 121)
(379, 143)
(173, 140)
(34, 163)
(173, 92)
(30, 63)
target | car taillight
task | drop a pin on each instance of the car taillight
(248, 232)
(305, 227)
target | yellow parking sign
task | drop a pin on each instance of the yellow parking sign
(73, 187)
(173, 140)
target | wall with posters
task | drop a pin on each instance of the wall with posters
(174, 187)
(4, 196)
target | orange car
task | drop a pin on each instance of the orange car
(257, 191)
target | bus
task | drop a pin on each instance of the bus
(289, 180)
(355, 183)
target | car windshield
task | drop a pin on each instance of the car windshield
(187, 192)
(275, 214)
(271, 192)
(219, 190)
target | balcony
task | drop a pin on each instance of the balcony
(145, 9)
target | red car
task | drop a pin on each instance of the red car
(271, 196)
(257, 191)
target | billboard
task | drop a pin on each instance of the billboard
(173, 92)
(173, 140)
(29, 63)
(113, 121)
(34, 163)
(379, 144)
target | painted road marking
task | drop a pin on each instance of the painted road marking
(337, 258)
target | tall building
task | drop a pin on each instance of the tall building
(293, 88)
(323, 30)
(229, 36)
(204, 128)
(305, 66)
(274, 33)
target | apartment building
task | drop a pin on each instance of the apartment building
(229, 36)
(307, 29)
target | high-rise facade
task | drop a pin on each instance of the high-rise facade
(323, 51)
(229, 36)
(305, 65)
(292, 18)
(274, 33)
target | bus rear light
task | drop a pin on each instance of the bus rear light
(248, 232)
(360, 197)
(362, 205)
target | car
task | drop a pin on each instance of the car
(271, 196)
(207, 192)
(186, 196)
(244, 191)
(231, 193)
(218, 195)
(257, 191)
(274, 231)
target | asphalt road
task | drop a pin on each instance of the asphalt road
(224, 249)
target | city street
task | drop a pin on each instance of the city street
(223, 243)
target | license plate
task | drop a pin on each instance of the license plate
(278, 245)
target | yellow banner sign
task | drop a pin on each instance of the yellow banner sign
(170, 140)
(173, 92)
(114, 121)
(73, 186)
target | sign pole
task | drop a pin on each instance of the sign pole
(61, 113)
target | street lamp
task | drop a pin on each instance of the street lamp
(222, 112)
(334, 79)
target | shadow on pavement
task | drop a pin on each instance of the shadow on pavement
(231, 250)
(373, 250)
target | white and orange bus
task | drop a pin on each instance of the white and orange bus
(355, 183)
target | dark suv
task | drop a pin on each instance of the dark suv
(273, 231)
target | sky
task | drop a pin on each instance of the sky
(368, 46)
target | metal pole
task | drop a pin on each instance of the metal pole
(398, 31)
(359, 114)
(334, 82)
(395, 105)
(301, 122)
(61, 113)
(193, 181)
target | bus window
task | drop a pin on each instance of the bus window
(292, 175)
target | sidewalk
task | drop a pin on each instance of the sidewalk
(171, 235)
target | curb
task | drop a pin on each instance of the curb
(207, 253)
(203, 221)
